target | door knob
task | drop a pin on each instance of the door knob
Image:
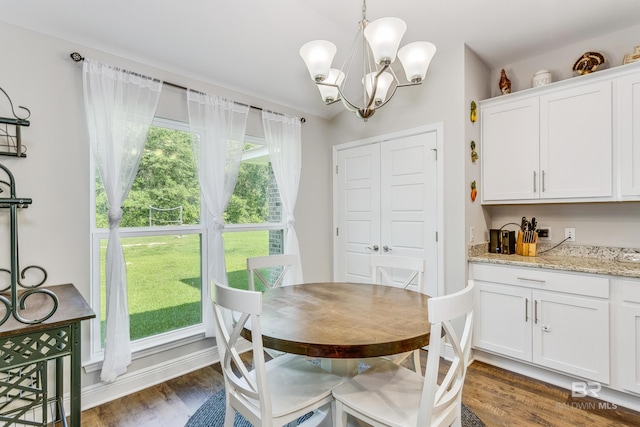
(387, 248)
(373, 248)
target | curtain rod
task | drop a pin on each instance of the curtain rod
(79, 58)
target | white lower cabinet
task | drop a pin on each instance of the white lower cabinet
(630, 334)
(571, 334)
(502, 321)
(555, 320)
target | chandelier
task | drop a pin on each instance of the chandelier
(378, 42)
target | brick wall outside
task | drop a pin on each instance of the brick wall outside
(276, 237)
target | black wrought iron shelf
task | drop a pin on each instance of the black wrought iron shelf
(13, 298)
(11, 138)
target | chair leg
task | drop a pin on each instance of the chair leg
(332, 407)
(417, 366)
(229, 416)
(458, 421)
(339, 416)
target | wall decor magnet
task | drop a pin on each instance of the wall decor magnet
(474, 112)
(474, 191)
(474, 153)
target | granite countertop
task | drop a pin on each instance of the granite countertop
(579, 258)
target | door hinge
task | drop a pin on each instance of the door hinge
(436, 236)
(337, 231)
(336, 169)
(435, 150)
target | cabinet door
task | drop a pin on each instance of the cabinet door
(571, 334)
(576, 142)
(509, 151)
(629, 136)
(502, 322)
(631, 347)
(630, 335)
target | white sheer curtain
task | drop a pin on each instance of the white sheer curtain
(120, 107)
(284, 141)
(217, 134)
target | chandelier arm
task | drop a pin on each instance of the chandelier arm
(410, 84)
(374, 88)
(396, 88)
(351, 106)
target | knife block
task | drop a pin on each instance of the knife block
(526, 249)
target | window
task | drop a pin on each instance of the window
(253, 216)
(163, 237)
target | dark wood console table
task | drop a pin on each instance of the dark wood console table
(26, 350)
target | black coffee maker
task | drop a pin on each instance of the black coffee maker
(502, 241)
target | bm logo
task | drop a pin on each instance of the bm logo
(585, 388)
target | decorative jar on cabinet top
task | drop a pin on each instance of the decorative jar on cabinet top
(541, 77)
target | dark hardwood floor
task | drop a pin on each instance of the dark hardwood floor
(498, 397)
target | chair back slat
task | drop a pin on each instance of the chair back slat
(288, 266)
(440, 397)
(399, 271)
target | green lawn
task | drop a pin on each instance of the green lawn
(163, 275)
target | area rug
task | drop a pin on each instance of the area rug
(211, 414)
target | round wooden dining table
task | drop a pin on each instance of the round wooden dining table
(343, 320)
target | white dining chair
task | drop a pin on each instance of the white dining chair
(391, 395)
(273, 393)
(286, 266)
(404, 272)
(401, 271)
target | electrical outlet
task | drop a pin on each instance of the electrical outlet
(544, 233)
(471, 234)
(570, 234)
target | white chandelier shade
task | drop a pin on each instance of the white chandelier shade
(318, 56)
(415, 58)
(381, 86)
(329, 92)
(383, 36)
(379, 43)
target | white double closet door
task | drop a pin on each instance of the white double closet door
(386, 202)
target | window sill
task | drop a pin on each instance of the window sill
(144, 349)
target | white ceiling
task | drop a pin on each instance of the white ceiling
(251, 46)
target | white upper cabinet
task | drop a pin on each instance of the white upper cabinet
(629, 136)
(556, 143)
(576, 142)
(509, 152)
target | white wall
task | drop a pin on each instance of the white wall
(439, 99)
(476, 88)
(604, 224)
(54, 231)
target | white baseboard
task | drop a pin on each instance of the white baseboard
(98, 394)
